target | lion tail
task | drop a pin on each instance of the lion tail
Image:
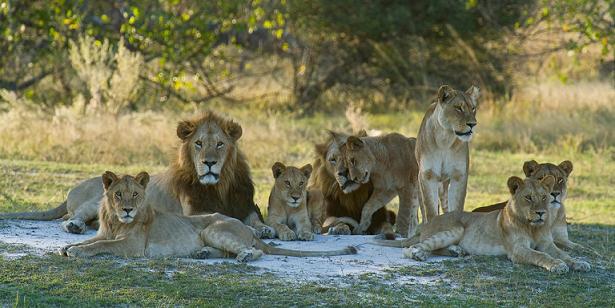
(51, 214)
(268, 249)
(398, 243)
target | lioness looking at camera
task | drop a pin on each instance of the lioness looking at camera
(294, 212)
(388, 162)
(130, 227)
(561, 172)
(521, 231)
(442, 150)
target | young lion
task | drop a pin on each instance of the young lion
(522, 230)
(131, 227)
(561, 172)
(294, 211)
(442, 150)
(388, 162)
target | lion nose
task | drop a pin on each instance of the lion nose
(555, 194)
(471, 125)
(540, 213)
(295, 198)
(209, 163)
(127, 210)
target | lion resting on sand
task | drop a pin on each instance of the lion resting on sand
(442, 150)
(561, 172)
(294, 212)
(343, 198)
(130, 227)
(521, 231)
(210, 174)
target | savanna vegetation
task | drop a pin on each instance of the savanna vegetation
(89, 86)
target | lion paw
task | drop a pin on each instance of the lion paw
(75, 251)
(316, 229)
(341, 229)
(74, 226)
(249, 255)
(559, 268)
(265, 232)
(415, 253)
(305, 236)
(581, 266)
(287, 235)
(62, 250)
(204, 253)
(385, 236)
(456, 251)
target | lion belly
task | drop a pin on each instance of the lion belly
(172, 235)
(482, 236)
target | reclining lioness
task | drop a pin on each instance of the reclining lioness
(130, 227)
(521, 231)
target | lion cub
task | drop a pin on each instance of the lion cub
(294, 211)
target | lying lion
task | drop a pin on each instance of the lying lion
(130, 227)
(521, 231)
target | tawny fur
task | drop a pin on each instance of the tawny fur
(442, 150)
(130, 227)
(561, 172)
(294, 212)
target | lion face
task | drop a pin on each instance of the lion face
(125, 195)
(456, 111)
(291, 182)
(533, 169)
(531, 198)
(359, 159)
(210, 145)
(335, 164)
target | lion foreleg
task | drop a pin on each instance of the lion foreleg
(97, 237)
(443, 195)
(407, 217)
(120, 247)
(557, 253)
(457, 192)
(525, 255)
(429, 195)
(378, 200)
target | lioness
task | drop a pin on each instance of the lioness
(343, 198)
(209, 174)
(442, 150)
(388, 162)
(294, 212)
(522, 230)
(561, 172)
(130, 227)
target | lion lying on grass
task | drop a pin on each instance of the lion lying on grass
(521, 231)
(130, 227)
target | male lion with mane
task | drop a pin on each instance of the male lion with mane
(210, 174)
(130, 227)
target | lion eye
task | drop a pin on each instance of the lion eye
(301, 184)
(561, 181)
(352, 161)
(544, 198)
(332, 161)
(118, 194)
(528, 198)
(220, 144)
(198, 144)
(287, 183)
(135, 194)
(473, 109)
(458, 109)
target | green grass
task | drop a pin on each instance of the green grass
(52, 280)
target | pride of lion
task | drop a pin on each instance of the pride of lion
(203, 205)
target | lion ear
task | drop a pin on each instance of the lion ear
(108, 178)
(362, 133)
(529, 167)
(339, 138)
(306, 170)
(566, 166)
(445, 92)
(514, 184)
(355, 142)
(185, 129)
(474, 93)
(548, 181)
(277, 169)
(233, 129)
(142, 178)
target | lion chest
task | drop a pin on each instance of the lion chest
(172, 237)
(443, 165)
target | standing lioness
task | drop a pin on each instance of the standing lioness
(130, 227)
(442, 150)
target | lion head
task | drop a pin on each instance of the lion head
(291, 182)
(359, 159)
(456, 110)
(124, 195)
(209, 143)
(530, 199)
(333, 162)
(533, 169)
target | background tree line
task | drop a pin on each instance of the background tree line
(123, 55)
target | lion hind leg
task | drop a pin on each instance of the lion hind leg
(209, 252)
(440, 240)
